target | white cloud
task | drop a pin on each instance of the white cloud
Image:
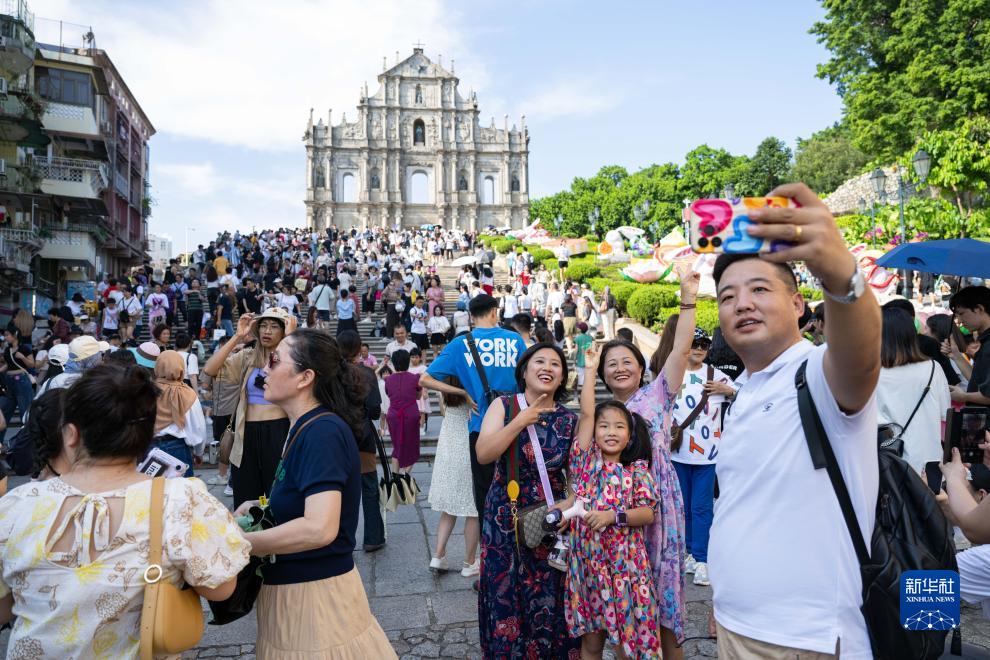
(199, 179)
(246, 73)
(572, 98)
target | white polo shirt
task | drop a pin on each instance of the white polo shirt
(781, 562)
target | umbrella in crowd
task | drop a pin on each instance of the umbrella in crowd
(957, 256)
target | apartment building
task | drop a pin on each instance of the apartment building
(77, 167)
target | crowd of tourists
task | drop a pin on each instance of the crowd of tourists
(583, 518)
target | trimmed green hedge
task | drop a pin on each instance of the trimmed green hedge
(809, 293)
(504, 245)
(540, 254)
(623, 292)
(646, 303)
(581, 272)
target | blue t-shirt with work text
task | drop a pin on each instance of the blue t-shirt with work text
(499, 350)
(323, 457)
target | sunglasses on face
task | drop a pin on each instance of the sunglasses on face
(701, 345)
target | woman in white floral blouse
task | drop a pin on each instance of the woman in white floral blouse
(73, 548)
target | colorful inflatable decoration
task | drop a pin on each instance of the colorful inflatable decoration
(883, 280)
(613, 248)
(659, 267)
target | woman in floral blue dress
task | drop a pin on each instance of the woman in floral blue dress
(621, 366)
(521, 603)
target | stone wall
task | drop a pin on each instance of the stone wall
(845, 199)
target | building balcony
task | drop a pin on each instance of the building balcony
(17, 33)
(19, 112)
(20, 179)
(121, 184)
(18, 246)
(73, 177)
(68, 118)
(76, 246)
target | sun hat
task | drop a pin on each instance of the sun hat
(86, 346)
(277, 313)
(146, 354)
(701, 336)
(59, 354)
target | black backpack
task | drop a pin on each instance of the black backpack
(911, 533)
(23, 449)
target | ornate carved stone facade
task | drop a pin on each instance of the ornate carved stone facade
(416, 154)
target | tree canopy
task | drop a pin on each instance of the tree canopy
(905, 67)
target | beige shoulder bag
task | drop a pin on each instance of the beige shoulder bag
(172, 618)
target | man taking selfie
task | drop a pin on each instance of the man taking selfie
(784, 571)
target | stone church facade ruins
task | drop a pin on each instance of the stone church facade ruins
(416, 154)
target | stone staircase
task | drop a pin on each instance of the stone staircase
(428, 438)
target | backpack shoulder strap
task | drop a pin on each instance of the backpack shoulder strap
(823, 456)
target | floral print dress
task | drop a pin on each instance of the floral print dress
(665, 538)
(521, 599)
(86, 602)
(609, 581)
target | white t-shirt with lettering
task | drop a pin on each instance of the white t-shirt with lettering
(699, 442)
(781, 561)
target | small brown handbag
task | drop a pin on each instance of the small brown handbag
(226, 443)
(172, 618)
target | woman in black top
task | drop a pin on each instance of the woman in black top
(17, 360)
(314, 502)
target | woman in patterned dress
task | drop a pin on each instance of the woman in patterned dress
(521, 600)
(621, 367)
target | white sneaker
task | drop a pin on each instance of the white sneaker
(228, 491)
(470, 570)
(701, 574)
(216, 480)
(689, 564)
(439, 564)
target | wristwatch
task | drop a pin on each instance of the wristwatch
(857, 285)
(620, 518)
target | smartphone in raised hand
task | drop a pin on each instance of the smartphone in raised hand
(721, 225)
(933, 475)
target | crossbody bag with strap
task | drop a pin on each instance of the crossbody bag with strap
(528, 521)
(489, 393)
(896, 441)
(677, 430)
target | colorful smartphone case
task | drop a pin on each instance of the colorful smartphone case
(720, 225)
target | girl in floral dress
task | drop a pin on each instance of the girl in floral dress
(610, 585)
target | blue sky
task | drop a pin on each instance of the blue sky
(229, 84)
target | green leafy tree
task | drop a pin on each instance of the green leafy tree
(706, 171)
(827, 159)
(904, 67)
(960, 167)
(768, 168)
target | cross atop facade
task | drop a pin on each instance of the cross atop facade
(418, 45)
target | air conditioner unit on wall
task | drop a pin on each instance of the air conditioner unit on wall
(3, 87)
(3, 166)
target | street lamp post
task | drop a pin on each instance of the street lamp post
(729, 191)
(921, 162)
(188, 258)
(593, 217)
(557, 222)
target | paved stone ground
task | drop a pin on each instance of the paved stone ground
(428, 615)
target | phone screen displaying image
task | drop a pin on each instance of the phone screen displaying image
(971, 436)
